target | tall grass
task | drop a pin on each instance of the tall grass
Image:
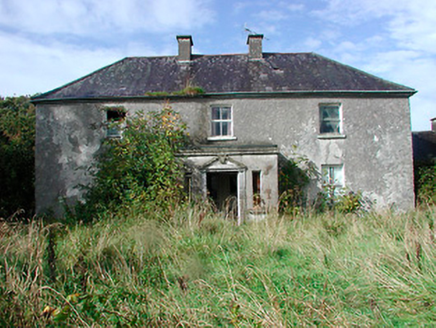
(199, 270)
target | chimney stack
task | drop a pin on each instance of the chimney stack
(433, 124)
(254, 42)
(185, 47)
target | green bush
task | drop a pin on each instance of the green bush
(425, 183)
(342, 201)
(140, 169)
(17, 140)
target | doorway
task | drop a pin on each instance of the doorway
(222, 188)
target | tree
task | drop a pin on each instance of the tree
(17, 148)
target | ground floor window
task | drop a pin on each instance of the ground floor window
(256, 188)
(333, 175)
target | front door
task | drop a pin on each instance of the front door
(222, 188)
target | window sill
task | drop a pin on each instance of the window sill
(220, 138)
(331, 136)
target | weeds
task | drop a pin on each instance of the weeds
(198, 270)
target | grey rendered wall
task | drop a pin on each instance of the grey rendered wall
(376, 152)
(67, 138)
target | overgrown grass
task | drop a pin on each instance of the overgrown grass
(199, 270)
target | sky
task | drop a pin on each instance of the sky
(45, 44)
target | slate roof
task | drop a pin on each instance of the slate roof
(223, 74)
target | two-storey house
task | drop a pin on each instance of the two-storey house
(256, 110)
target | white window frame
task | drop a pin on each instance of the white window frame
(213, 120)
(328, 170)
(338, 106)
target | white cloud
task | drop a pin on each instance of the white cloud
(295, 7)
(312, 44)
(410, 23)
(81, 17)
(28, 67)
(399, 44)
(271, 15)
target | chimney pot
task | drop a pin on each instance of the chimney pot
(185, 47)
(254, 42)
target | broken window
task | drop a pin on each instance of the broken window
(256, 188)
(330, 119)
(333, 175)
(221, 121)
(114, 117)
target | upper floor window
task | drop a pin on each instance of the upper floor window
(330, 117)
(114, 117)
(221, 121)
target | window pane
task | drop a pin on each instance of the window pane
(215, 113)
(329, 127)
(225, 112)
(331, 112)
(225, 129)
(338, 176)
(216, 128)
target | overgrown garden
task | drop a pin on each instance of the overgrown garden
(135, 253)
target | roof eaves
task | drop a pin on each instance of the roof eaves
(252, 94)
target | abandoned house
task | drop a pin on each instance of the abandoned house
(257, 108)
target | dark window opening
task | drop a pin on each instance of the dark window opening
(256, 188)
(114, 116)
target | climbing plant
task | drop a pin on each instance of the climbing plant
(295, 175)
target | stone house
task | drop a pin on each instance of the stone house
(257, 108)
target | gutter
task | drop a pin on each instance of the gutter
(221, 95)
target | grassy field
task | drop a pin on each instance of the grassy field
(199, 270)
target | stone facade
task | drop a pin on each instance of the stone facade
(374, 148)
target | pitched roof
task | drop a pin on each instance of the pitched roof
(218, 74)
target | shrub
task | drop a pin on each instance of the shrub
(342, 201)
(17, 139)
(141, 168)
(425, 183)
